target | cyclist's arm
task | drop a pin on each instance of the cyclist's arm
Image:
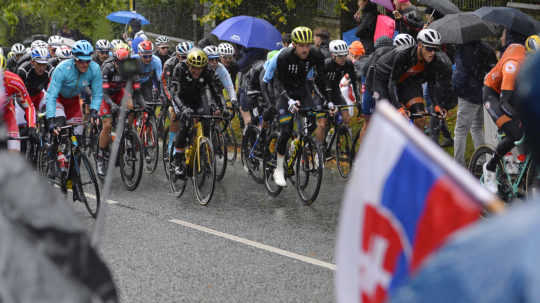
(225, 79)
(399, 60)
(354, 81)
(15, 82)
(158, 69)
(53, 91)
(270, 67)
(509, 73)
(97, 88)
(279, 88)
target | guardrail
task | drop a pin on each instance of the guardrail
(174, 39)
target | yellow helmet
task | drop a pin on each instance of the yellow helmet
(10, 54)
(122, 45)
(532, 44)
(302, 34)
(197, 58)
(2, 62)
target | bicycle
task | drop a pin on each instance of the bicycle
(217, 137)
(303, 161)
(70, 173)
(146, 126)
(200, 163)
(340, 134)
(510, 185)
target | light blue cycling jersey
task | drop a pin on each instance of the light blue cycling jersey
(225, 78)
(271, 65)
(147, 69)
(68, 82)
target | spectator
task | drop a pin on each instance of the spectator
(321, 40)
(286, 39)
(473, 61)
(408, 19)
(366, 16)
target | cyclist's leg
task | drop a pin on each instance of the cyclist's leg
(12, 127)
(411, 94)
(286, 128)
(246, 105)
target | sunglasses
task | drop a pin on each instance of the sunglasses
(147, 56)
(83, 61)
(431, 49)
(183, 57)
(104, 52)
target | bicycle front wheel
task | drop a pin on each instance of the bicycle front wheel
(204, 171)
(87, 188)
(251, 153)
(309, 171)
(269, 165)
(220, 149)
(343, 152)
(131, 159)
(151, 145)
(232, 144)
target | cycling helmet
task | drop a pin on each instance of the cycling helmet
(115, 42)
(429, 37)
(123, 46)
(211, 51)
(103, 45)
(55, 41)
(9, 55)
(82, 50)
(146, 47)
(532, 44)
(38, 43)
(302, 34)
(18, 49)
(183, 48)
(162, 41)
(226, 49)
(138, 34)
(403, 41)
(121, 54)
(2, 62)
(63, 52)
(339, 47)
(40, 55)
(271, 54)
(197, 58)
(357, 48)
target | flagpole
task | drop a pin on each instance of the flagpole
(454, 170)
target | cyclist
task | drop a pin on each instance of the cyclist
(497, 95)
(28, 54)
(162, 51)
(15, 90)
(113, 92)
(150, 69)
(62, 53)
(103, 48)
(293, 89)
(190, 81)
(399, 74)
(54, 42)
(221, 73)
(226, 54)
(35, 75)
(18, 51)
(67, 82)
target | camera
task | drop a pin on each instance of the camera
(128, 68)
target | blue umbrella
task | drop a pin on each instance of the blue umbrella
(350, 36)
(124, 17)
(249, 32)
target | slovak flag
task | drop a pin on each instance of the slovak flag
(405, 198)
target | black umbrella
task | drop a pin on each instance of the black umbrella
(444, 7)
(511, 18)
(462, 28)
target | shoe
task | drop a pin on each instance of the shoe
(179, 167)
(490, 179)
(279, 177)
(100, 165)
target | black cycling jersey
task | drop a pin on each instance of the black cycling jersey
(168, 69)
(26, 57)
(233, 69)
(251, 79)
(113, 82)
(163, 58)
(292, 72)
(335, 72)
(369, 67)
(11, 64)
(34, 83)
(187, 92)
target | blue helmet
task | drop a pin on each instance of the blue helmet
(527, 100)
(40, 55)
(183, 48)
(82, 50)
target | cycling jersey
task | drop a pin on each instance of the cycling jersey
(222, 74)
(369, 68)
(187, 92)
(67, 82)
(11, 64)
(149, 71)
(34, 83)
(168, 69)
(502, 77)
(233, 69)
(334, 73)
(163, 58)
(14, 85)
(26, 57)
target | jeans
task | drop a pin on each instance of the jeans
(469, 118)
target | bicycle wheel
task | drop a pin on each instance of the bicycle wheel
(131, 159)
(232, 144)
(251, 153)
(269, 165)
(176, 184)
(165, 151)
(482, 155)
(220, 150)
(151, 145)
(309, 171)
(204, 171)
(87, 184)
(343, 152)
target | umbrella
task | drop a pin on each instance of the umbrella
(349, 36)
(462, 28)
(249, 32)
(511, 18)
(494, 261)
(385, 3)
(124, 17)
(444, 7)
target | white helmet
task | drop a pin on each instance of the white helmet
(40, 55)
(162, 40)
(339, 47)
(115, 42)
(63, 52)
(18, 49)
(137, 34)
(55, 41)
(103, 45)
(183, 48)
(38, 43)
(429, 37)
(226, 49)
(211, 51)
(403, 41)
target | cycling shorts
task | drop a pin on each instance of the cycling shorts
(69, 108)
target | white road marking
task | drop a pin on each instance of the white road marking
(256, 244)
(112, 202)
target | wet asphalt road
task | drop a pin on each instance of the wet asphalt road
(156, 260)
